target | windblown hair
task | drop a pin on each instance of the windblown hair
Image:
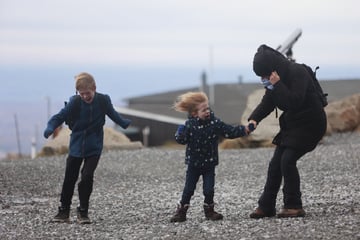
(84, 80)
(188, 102)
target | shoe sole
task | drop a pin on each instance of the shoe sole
(301, 214)
(60, 220)
(83, 221)
(291, 216)
(178, 220)
(260, 217)
(263, 216)
(214, 219)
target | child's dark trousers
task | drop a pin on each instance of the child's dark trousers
(85, 185)
(192, 177)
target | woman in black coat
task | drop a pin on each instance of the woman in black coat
(290, 88)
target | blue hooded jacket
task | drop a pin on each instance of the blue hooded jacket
(87, 136)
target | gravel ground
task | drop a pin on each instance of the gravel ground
(135, 194)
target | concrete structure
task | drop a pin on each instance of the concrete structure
(153, 114)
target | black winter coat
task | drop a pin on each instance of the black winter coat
(303, 121)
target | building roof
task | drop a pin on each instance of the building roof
(229, 100)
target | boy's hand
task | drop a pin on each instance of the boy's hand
(126, 123)
(47, 132)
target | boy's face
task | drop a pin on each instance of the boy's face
(203, 111)
(87, 94)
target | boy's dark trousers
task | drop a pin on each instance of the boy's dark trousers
(85, 185)
(282, 165)
(192, 177)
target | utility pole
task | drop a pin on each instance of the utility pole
(211, 78)
(48, 107)
(17, 135)
(34, 141)
(211, 64)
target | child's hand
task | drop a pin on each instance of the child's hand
(180, 129)
(126, 123)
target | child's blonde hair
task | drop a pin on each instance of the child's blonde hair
(189, 101)
(84, 80)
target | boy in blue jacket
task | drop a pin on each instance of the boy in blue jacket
(201, 134)
(88, 110)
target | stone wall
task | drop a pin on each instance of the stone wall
(342, 115)
(112, 140)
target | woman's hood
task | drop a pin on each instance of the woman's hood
(267, 60)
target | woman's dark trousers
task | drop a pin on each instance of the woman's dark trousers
(282, 166)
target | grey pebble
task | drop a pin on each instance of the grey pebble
(136, 191)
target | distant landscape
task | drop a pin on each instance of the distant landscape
(33, 94)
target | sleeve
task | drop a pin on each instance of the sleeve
(181, 135)
(58, 119)
(114, 115)
(292, 96)
(229, 131)
(264, 108)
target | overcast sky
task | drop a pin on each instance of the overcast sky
(156, 45)
(175, 32)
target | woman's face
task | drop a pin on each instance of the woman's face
(203, 111)
(265, 78)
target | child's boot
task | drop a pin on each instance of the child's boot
(210, 214)
(180, 214)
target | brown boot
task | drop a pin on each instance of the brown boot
(291, 213)
(180, 214)
(258, 213)
(210, 214)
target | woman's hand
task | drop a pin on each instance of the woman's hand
(274, 77)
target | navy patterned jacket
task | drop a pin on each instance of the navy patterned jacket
(202, 139)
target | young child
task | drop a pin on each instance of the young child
(86, 143)
(201, 135)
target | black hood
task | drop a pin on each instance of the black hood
(267, 60)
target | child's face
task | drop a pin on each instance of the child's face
(203, 111)
(87, 94)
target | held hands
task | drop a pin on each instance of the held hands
(251, 127)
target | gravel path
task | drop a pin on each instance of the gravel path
(135, 194)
